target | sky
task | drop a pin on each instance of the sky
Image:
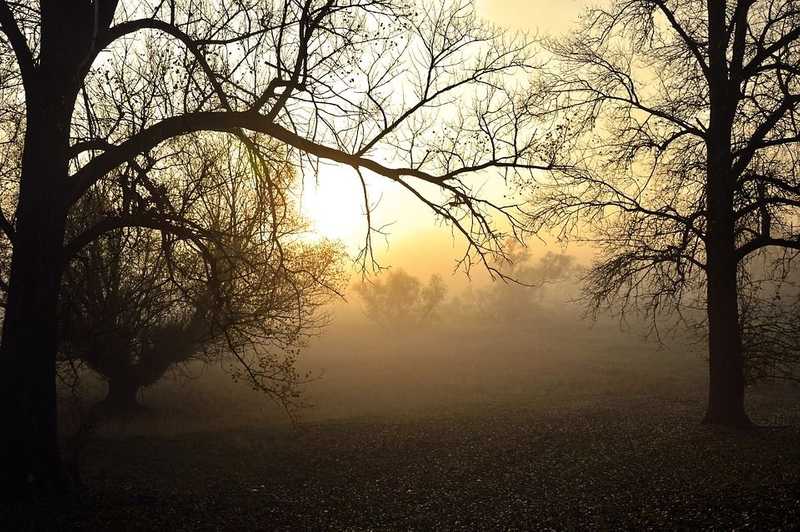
(415, 241)
(540, 16)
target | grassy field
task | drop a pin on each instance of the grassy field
(605, 435)
(597, 465)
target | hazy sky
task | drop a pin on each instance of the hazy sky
(335, 202)
(546, 16)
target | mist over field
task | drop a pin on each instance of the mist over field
(487, 345)
(504, 404)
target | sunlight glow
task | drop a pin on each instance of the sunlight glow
(333, 203)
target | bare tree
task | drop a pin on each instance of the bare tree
(685, 120)
(102, 90)
(769, 303)
(397, 299)
(135, 304)
(510, 302)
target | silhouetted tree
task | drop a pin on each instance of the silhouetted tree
(398, 299)
(135, 304)
(534, 290)
(516, 299)
(769, 304)
(99, 91)
(685, 115)
(121, 317)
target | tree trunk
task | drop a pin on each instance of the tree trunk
(725, 354)
(726, 360)
(122, 397)
(29, 455)
(29, 452)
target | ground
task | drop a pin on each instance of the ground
(605, 435)
(638, 464)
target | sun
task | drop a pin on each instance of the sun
(332, 201)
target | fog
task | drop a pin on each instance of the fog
(431, 396)
(488, 346)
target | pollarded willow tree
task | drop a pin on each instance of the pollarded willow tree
(238, 291)
(685, 119)
(422, 95)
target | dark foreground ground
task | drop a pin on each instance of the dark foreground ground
(636, 464)
(553, 430)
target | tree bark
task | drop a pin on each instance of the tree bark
(29, 450)
(30, 462)
(122, 397)
(726, 359)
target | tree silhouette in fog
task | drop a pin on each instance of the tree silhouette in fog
(138, 302)
(398, 299)
(97, 92)
(684, 163)
(518, 299)
(769, 303)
